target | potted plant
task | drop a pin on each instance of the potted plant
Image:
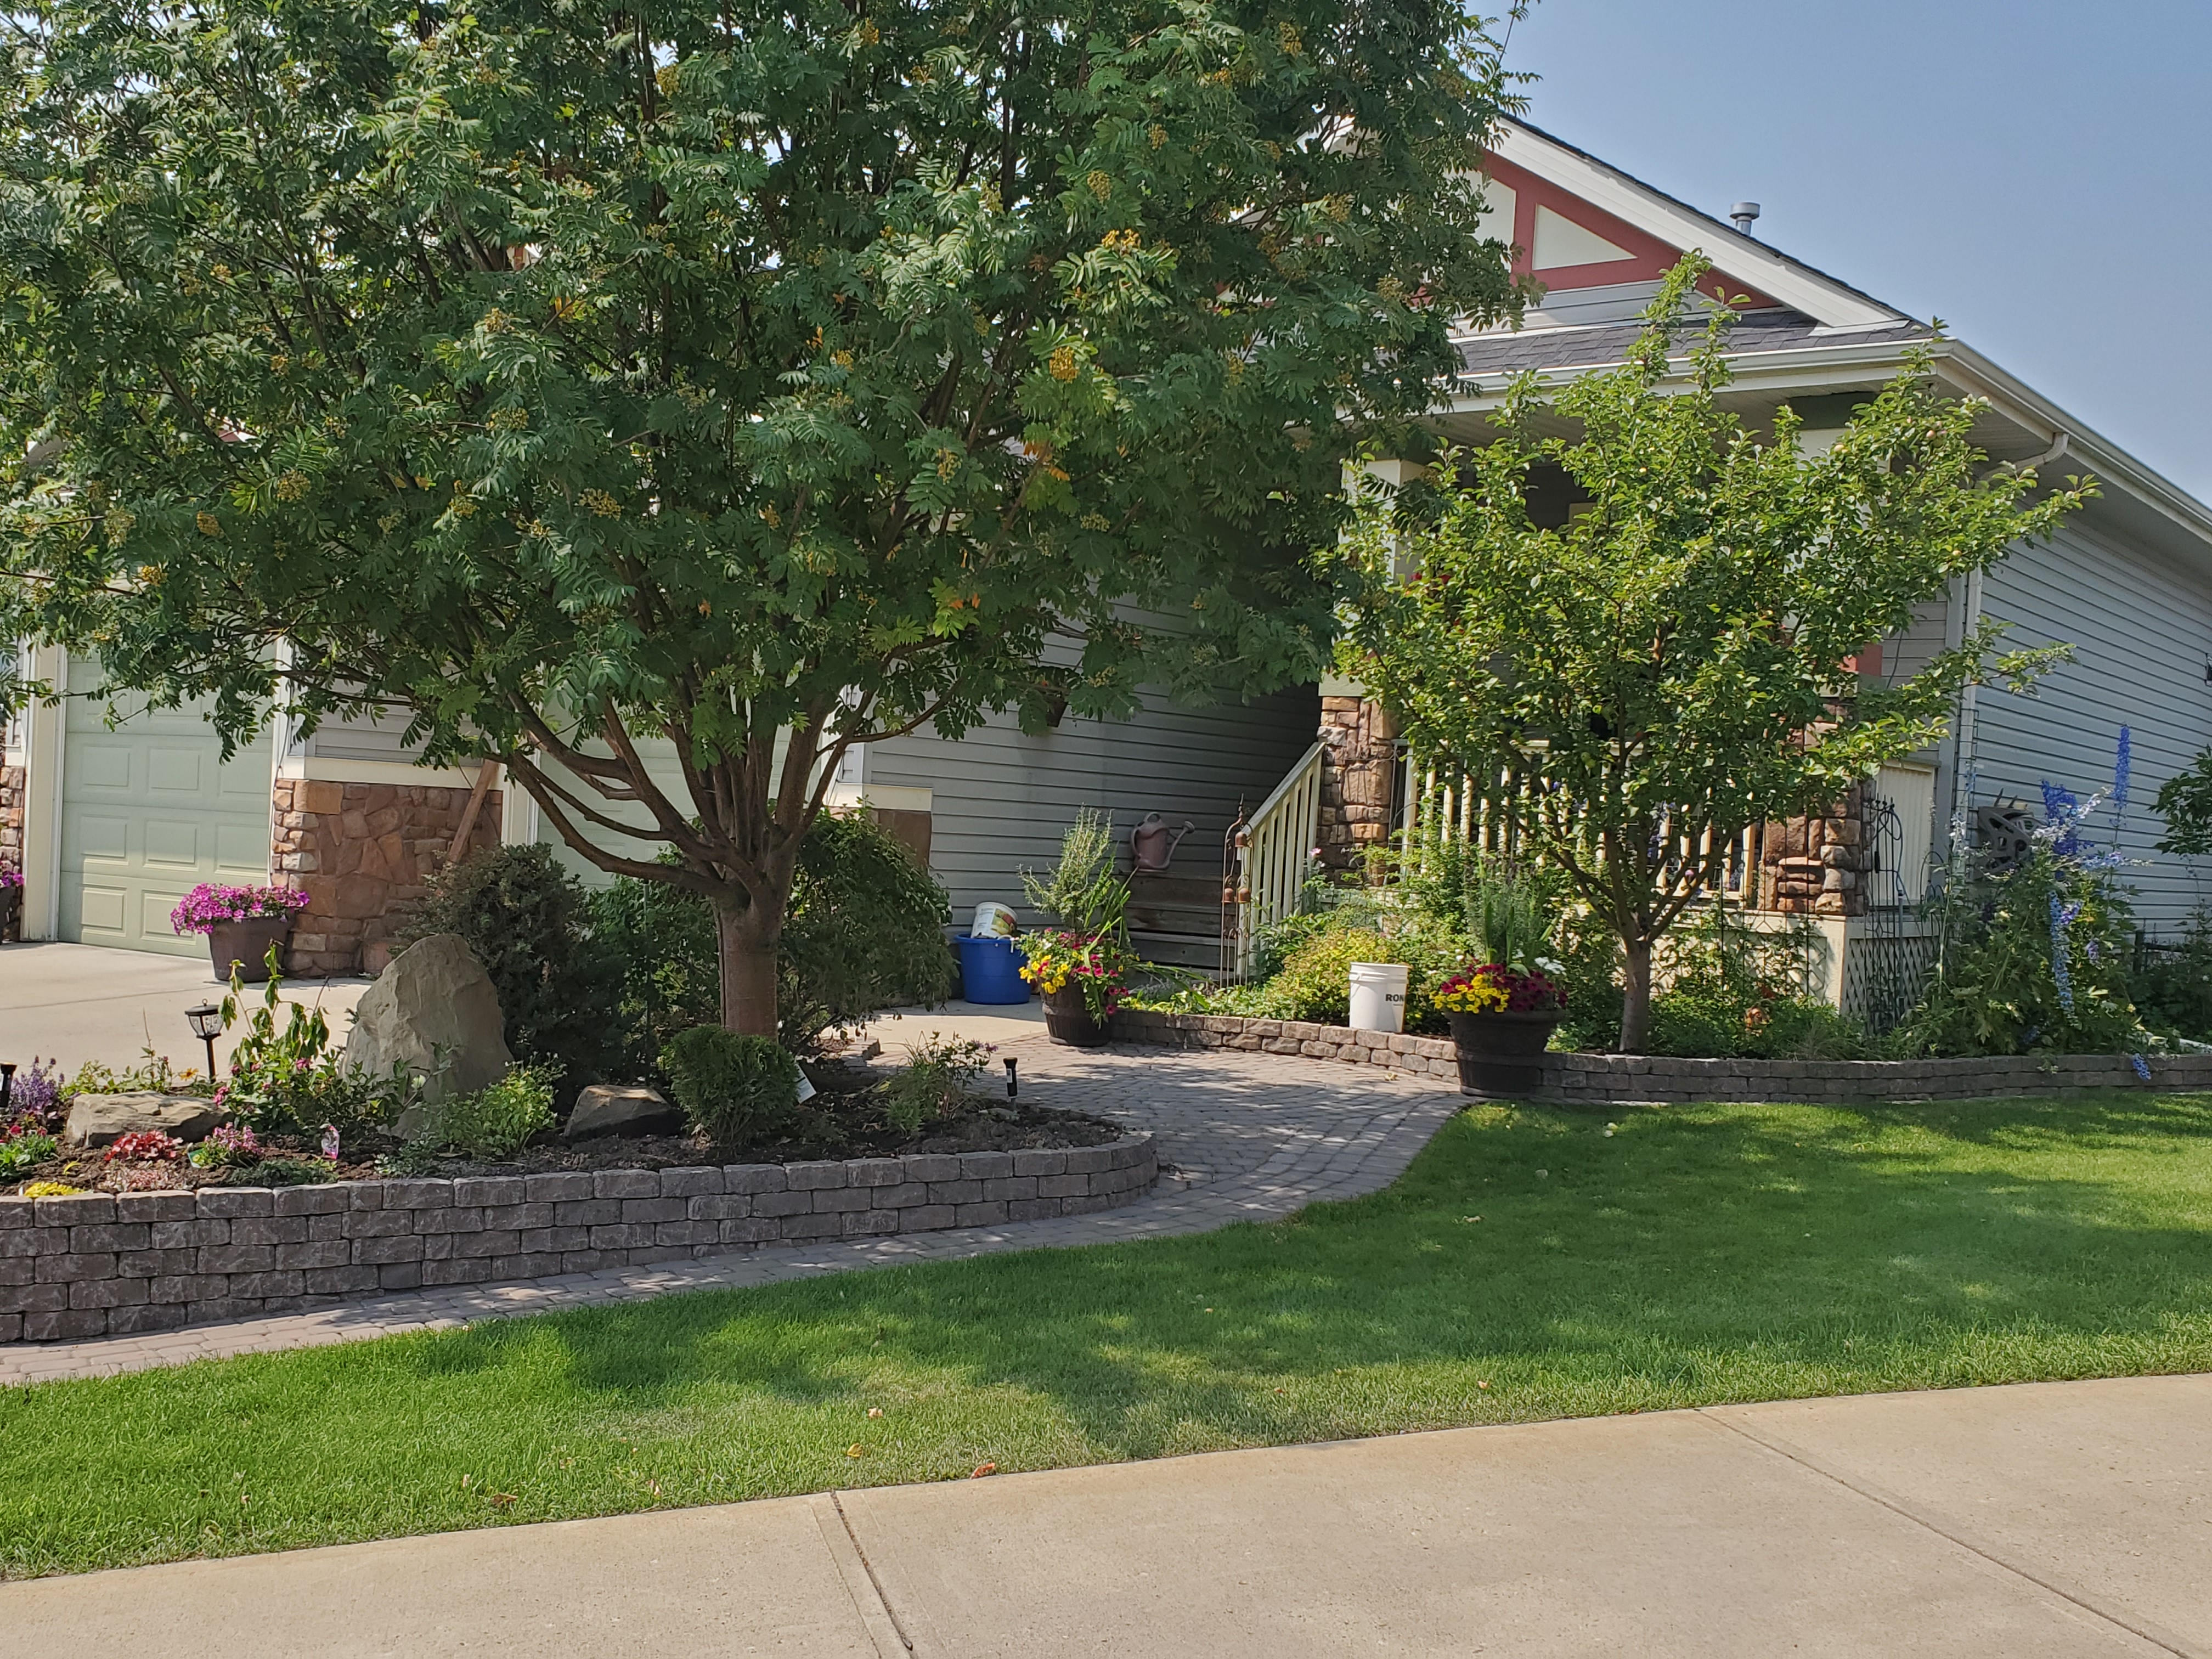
(1082, 965)
(1083, 979)
(1502, 1020)
(1503, 1008)
(242, 925)
(11, 905)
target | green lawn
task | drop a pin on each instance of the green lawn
(1700, 1253)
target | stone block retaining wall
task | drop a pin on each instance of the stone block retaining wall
(1597, 1079)
(1420, 1055)
(96, 1264)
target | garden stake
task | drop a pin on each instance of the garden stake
(1013, 1084)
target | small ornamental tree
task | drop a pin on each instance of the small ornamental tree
(661, 401)
(1675, 663)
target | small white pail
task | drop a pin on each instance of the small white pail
(993, 920)
(1378, 996)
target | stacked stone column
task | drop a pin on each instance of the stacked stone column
(363, 852)
(1818, 865)
(1359, 775)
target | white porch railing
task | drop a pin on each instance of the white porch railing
(1273, 852)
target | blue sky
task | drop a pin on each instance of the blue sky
(2037, 175)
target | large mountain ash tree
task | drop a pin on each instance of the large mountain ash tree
(763, 378)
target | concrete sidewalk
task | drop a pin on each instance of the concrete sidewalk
(80, 1002)
(2061, 1519)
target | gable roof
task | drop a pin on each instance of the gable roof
(1831, 305)
(1801, 331)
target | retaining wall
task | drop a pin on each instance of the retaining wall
(96, 1264)
(1598, 1080)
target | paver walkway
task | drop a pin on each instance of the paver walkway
(1242, 1137)
(2049, 1521)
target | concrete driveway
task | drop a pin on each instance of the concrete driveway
(79, 1002)
(2072, 1520)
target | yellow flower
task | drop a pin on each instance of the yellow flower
(1063, 363)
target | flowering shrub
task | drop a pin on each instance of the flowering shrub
(1494, 988)
(35, 1099)
(1097, 963)
(11, 877)
(212, 903)
(228, 1146)
(145, 1147)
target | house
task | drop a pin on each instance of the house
(111, 825)
(2127, 583)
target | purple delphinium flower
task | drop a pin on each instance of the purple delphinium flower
(2059, 922)
(2122, 762)
(2142, 1066)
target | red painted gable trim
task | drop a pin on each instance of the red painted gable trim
(1649, 259)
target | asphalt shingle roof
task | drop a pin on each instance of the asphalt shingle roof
(1498, 355)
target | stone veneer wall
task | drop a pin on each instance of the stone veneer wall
(96, 1264)
(360, 852)
(1358, 778)
(1818, 865)
(1604, 1080)
(11, 818)
(11, 831)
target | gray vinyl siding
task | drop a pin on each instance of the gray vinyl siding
(363, 737)
(2140, 626)
(1000, 800)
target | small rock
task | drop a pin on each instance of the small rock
(98, 1120)
(433, 1011)
(607, 1109)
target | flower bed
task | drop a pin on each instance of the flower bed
(1600, 1079)
(93, 1265)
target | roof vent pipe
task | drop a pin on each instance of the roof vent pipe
(1746, 214)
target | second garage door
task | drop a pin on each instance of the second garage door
(150, 809)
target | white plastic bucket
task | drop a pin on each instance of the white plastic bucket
(1378, 996)
(993, 920)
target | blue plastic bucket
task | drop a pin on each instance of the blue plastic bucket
(991, 970)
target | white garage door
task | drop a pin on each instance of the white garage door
(149, 811)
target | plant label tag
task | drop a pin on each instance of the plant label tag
(806, 1088)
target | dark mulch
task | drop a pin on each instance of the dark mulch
(843, 1120)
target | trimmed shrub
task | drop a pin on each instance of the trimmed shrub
(527, 920)
(738, 1089)
(1315, 980)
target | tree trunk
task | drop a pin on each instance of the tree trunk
(747, 957)
(1635, 995)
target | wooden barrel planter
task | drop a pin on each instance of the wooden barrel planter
(1067, 1019)
(1502, 1054)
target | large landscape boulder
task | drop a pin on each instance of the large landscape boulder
(99, 1120)
(433, 1011)
(608, 1109)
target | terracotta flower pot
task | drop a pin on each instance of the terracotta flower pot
(247, 943)
(1502, 1054)
(1067, 1019)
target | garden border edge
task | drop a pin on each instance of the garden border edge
(1596, 1080)
(100, 1264)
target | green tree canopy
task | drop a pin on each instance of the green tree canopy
(1674, 664)
(764, 378)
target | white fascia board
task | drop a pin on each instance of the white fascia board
(1971, 374)
(2097, 454)
(1732, 254)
